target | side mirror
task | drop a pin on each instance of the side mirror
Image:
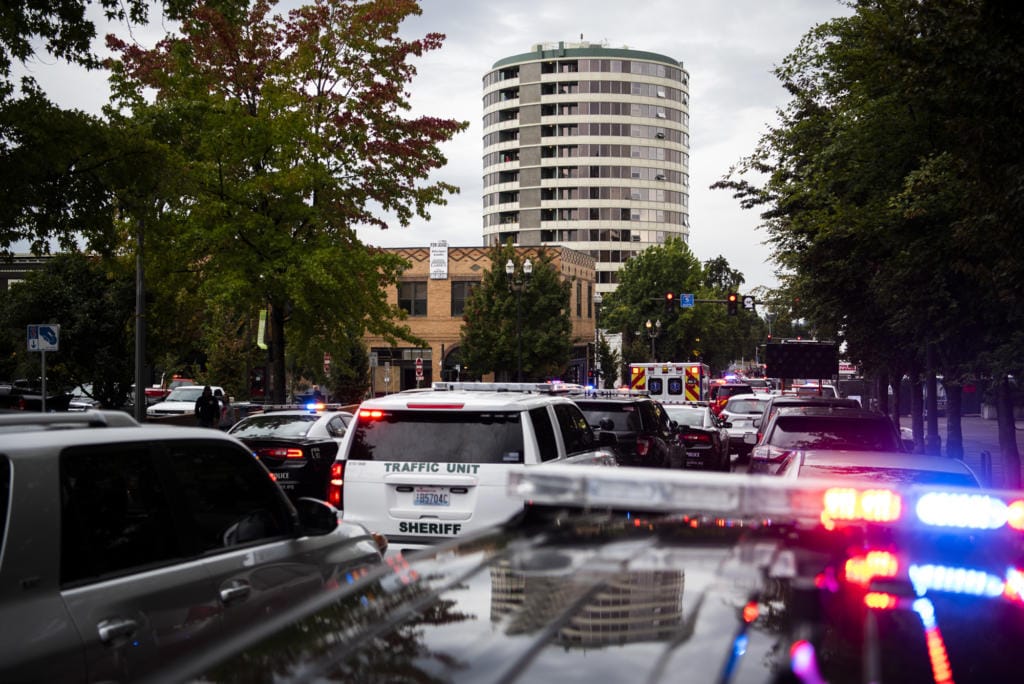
(727, 424)
(316, 517)
(756, 422)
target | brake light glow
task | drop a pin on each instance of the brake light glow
(336, 483)
(371, 414)
(280, 452)
(862, 569)
(870, 505)
(697, 437)
(804, 662)
(750, 612)
(880, 600)
(417, 405)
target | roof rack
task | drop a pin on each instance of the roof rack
(622, 392)
(67, 420)
(532, 387)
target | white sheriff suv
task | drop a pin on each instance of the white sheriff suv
(422, 466)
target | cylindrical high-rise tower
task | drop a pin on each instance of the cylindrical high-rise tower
(587, 147)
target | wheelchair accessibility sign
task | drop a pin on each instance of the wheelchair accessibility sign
(43, 338)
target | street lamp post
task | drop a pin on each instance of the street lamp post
(518, 283)
(597, 340)
(653, 330)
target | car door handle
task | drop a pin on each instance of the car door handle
(116, 628)
(234, 591)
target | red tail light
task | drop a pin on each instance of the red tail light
(696, 438)
(280, 452)
(371, 414)
(643, 446)
(336, 483)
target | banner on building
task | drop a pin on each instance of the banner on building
(439, 260)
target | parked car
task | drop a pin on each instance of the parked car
(643, 435)
(422, 466)
(298, 446)
(125, 546)
(878, 467)
(181, 401)
(703, 436)
(617, 575)
(739, 411)
(832, 428)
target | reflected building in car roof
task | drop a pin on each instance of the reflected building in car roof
(586, 146)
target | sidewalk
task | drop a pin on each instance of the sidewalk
(980, 436)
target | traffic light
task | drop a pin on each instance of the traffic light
(670, 302)
(732, 300)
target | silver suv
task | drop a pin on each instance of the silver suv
(123, 546)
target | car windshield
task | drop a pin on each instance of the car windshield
(271, 425)
(185, 394)
(833, 432)
(683, 415)
(440, 437)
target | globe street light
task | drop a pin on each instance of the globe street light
(517, 283)
(653, 330)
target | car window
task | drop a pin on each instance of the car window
(694, 417)
(336, 426)
(440, 436)
(229, 499)
(115, 515)
(273, 425)
(544, 432)
(675, 387)
(655, 386)
(575, 431)
(828, 432)
(185, 394)
(623, 416)
(745, 406)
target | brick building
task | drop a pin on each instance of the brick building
(434, 290)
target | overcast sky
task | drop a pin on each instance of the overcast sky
(729, 47)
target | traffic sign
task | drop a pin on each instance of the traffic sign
(43, 338)
(686, 301)
(748, 302)
(419, 369)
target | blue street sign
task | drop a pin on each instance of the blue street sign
(686, 301)
(43, 338)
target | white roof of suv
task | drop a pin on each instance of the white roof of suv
(424, 466)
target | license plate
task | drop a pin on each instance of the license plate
(695, 454)
(431, 496)
(281, 476)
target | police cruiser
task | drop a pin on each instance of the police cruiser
(428, 465)
(635, 575)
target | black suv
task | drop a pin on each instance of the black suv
(641, 427)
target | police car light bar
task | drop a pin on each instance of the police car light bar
(759, 497)
(538, 387)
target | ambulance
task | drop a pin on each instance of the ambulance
(671, 382)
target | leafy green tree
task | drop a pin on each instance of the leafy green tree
(291, 133)
(892, 187)
(496, 322)
(93, 301)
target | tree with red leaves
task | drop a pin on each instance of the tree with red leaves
(289, 132)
